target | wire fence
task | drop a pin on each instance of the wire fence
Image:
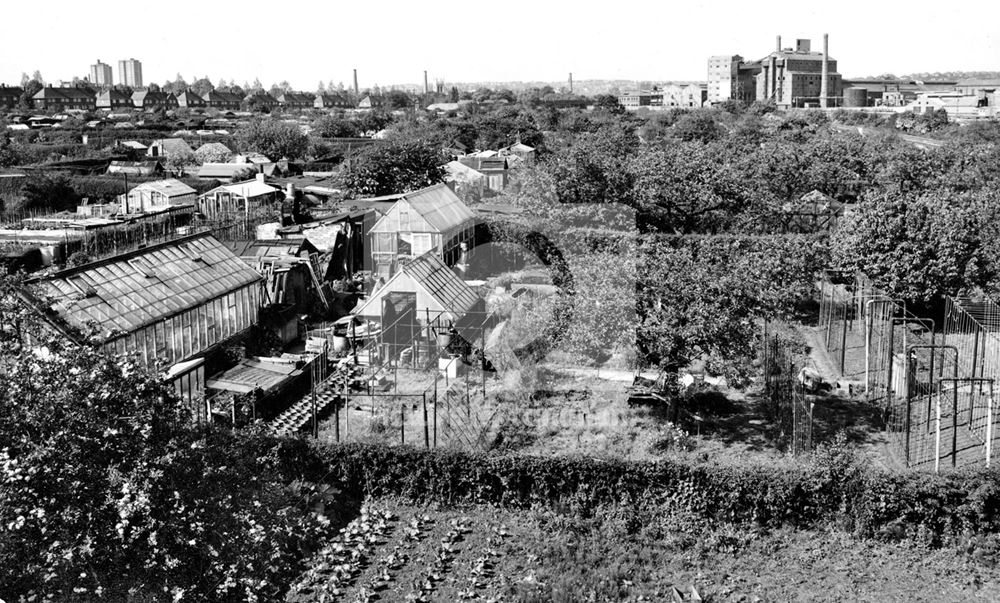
(932, 379)
(788, 404)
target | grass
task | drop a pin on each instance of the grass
(476, 553)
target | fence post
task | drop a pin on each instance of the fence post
(402, 423)
(892, 361)
(954, 427)
(427, 439)
(843, 339)
(435, 411)
(937, 436)
(909, 404)
(989, 431)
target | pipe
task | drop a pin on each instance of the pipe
(824, 91)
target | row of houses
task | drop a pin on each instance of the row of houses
(82, 98)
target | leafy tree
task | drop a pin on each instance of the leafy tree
(212, 155)
(398, 99)
(396, 167)
(608, 102)
(176, 162)
(699, 126)
(919, 246)
(49, 192)
(330, 126)
(275, 139)
(202, 86)
(108, 492)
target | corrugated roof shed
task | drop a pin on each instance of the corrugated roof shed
(132, 290)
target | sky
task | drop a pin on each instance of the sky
(394, 41)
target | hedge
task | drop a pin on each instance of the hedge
(867, 501)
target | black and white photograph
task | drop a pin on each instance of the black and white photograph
(518, 302)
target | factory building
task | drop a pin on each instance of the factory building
(791, 77)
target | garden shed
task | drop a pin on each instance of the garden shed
(431, 220)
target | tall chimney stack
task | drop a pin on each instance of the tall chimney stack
(778, 47)
(825, 74)
(570, 82)
(356, 91)
(427, 89)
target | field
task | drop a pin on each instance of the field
(402, 552)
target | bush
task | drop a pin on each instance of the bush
(835, 487)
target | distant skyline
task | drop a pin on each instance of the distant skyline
(393, 41)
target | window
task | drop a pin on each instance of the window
(422, 243)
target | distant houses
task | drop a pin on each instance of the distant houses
(113, 99)
(64, 99)
(295, 100)
(190, 100)
(260, 100)
(224, 101)
(150, 100)
(10, 96)
(332, 101)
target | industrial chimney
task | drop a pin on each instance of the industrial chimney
(825, 74)
(571, 82)
(427, 88)
(356, 91)
(778, 47)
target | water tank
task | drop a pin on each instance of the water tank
(855, 97)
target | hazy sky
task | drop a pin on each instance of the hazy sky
(393, 41)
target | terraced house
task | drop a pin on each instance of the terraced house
(65, 98)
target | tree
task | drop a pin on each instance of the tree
(177, 161)
(273, 138)
(202, 86)
(608, 102)
(49, 192)
(106, 492)
(920, 246)
(396, 167)
(213, 154)
(398, 99)
(330, 126)
(699, 125)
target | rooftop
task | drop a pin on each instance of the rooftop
(127, 292)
